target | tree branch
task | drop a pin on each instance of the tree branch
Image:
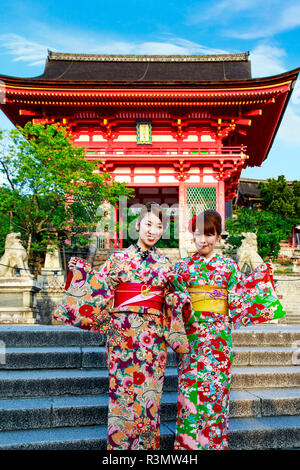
(7, 174)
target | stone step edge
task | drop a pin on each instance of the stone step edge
(240, 430)
(275, 432)
(235, 395)
(102, 349)
(52, 412)
(68, 336)
(50, 373)
(44, 382)
(95, 357)
(65, 374)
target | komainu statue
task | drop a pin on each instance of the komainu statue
(247, 256)
(14, 256)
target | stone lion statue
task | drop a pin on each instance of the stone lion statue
(14, 256)
(247, 256)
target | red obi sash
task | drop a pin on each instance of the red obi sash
(135, 294)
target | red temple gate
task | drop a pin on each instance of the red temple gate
(176, 128)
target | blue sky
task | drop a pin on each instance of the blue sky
(268, 29)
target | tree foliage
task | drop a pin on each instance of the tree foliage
(269, 227)
(273, 222)
(49, 190)
(281, 198)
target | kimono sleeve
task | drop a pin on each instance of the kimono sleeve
(175, 302)
(252, 299)
(178, 276)
(87, 300)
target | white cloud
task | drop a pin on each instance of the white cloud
(23, 49)
(35, 53)
(290, 126)
(219, 11)
(271, 19)
(296, 93)
(267, 60)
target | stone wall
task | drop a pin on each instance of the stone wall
(288, 288)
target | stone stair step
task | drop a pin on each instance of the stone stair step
(48, 412)
(48, 382)
(12, 336)
(276, 432)
(69, 336)
(53, 382)
(42, 383)
(280, 432)
(64, 438)
(95, 357)
(266, 335)
(265, 377)
(272, 355)
(264, 402)
(244, 434)
(61, 358)
(54, 358)
(37, 358)
(74, 438)
(90, 410)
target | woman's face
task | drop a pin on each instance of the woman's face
(150, 230)
(205, 243)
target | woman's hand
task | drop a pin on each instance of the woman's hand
(72, 263)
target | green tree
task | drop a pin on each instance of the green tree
(281, 198)
(49, 190)
(269, 227)
(280, 204)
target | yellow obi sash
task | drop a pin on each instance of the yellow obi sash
(209, 299)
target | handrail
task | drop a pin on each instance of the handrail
(175, 149)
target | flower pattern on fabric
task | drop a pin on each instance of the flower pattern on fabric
(205, 373)
(137, 339)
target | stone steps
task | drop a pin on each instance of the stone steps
(244, 434)
(275, 432)
(54, 382)
(68, 336)
(91, 410)
(272, 433)
(95, 357)
(64, 438)
(49, 382)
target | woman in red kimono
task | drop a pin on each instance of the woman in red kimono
(129, 298)
(221, 298)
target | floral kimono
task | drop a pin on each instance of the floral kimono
(129, 299)
(221, 298)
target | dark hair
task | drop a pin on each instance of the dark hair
(155, 208)
(212, 222)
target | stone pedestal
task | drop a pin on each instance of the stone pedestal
(52, 291)
(52, 282)
(18, 300)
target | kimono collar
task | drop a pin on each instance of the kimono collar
(198, 257)
(143, 254)
(152, 255)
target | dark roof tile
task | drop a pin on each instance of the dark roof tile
(116, 68)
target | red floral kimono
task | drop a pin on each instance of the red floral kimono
(225, 299)
(129, 298)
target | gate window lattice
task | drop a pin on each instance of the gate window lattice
(200, 199)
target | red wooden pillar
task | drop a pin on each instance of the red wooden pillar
(115, 236)
(182, 213)
(220, 201)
